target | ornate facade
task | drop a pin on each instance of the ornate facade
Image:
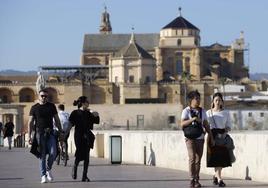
(176, 49)
(153, 67)
(134, 68)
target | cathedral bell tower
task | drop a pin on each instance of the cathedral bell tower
(105, 27)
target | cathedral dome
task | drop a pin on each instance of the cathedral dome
(180, 23)
(179, 33)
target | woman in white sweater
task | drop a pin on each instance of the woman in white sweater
(218, 155)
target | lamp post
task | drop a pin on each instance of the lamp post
(223, 81)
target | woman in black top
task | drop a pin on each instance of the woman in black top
(82, 119)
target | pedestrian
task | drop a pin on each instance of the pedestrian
(9, 131)
(64, 120)
(41, 119)
(82, 119)
(218, 156)
(194, 124)
(1, 128)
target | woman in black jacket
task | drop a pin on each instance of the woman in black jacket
(82, 119)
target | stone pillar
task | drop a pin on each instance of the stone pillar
(197, 67)
(111, 76)
(121, 95)
(18, 122)
(159, 61)
(124, 68)
(15, 122)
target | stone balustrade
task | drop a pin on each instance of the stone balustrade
(169, 150)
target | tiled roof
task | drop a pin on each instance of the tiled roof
(133, 50)
(180, 23)
(216, 46)
(114, 42)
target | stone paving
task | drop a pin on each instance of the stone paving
(19, 168)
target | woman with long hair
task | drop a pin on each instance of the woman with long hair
(82, 119)
(218, 156)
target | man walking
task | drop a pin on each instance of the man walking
(64, 120)
(41, 120)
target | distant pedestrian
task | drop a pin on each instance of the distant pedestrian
(9, 131)
(194, 124)
(151, 160)
(64, 120)
(41, 119)
(218, 156)
(83, 120)
(1, 128)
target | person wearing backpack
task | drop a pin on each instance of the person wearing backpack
(194, 124)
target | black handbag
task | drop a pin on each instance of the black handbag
(90, 138)
(194, 130)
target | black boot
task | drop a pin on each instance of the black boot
(221, 184)
(84, 177)
(215, 180)
(74, 172)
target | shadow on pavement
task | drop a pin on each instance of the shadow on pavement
(11, 179)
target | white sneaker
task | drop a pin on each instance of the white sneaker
(49, 176)
(44, 179)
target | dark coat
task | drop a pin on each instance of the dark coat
(9, 126)
(35, 149)
(83, 136)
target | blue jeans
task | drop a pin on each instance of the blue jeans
(48, 146)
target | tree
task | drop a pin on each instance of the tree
(185, 77)
(223, 81)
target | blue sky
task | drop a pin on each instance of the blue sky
(50, 32)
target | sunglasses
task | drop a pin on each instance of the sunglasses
(44, 96)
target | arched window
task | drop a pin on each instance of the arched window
(5, 95)
(26, 95)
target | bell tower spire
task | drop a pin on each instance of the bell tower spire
(132, 39)
(105, 26)
(179, 11)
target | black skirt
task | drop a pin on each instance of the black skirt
(82, 148)
(218, 156)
